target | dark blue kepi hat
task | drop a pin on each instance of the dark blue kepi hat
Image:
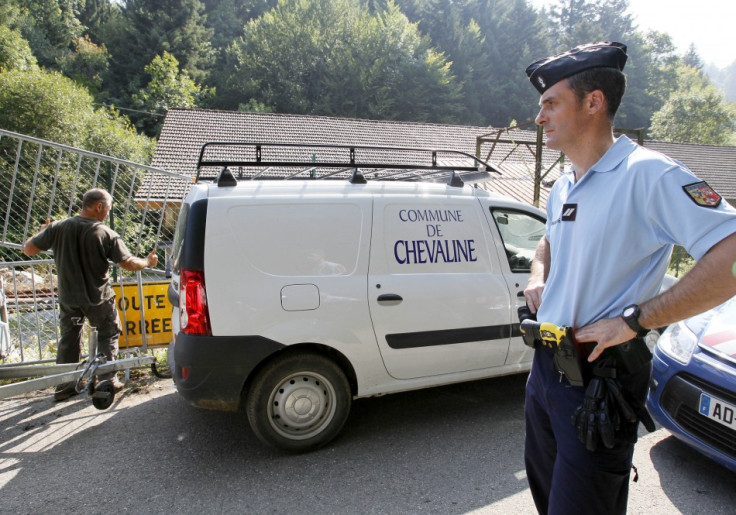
(547, 72)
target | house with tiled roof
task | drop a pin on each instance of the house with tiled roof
(511, 151)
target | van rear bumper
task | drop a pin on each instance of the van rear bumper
(210, 371)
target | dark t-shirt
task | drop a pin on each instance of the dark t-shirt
(82, 249)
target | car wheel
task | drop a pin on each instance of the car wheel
(298, 402)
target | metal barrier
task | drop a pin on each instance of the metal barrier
(42, 180)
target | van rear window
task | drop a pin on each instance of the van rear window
(178, 245)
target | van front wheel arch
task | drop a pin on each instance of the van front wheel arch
(299, 402)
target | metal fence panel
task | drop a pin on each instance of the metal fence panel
(42, 180)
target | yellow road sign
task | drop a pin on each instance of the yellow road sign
(156, 309)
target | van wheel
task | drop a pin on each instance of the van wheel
(299, 402)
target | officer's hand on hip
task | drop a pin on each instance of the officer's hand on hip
(607, 333)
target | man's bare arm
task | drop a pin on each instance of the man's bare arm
(710, 282)
(538, 275)
(29, 249)
(133, 263)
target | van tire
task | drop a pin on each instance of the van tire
(299, 402)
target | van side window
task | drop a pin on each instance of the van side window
(520, 233)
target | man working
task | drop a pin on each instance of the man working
(83, 247)
(613, 219)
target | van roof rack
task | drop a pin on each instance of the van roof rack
(230, 162)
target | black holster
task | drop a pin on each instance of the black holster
(630, 357)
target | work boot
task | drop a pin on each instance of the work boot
(64, 391)
(117, 384)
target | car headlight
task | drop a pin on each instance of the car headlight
(678, 342)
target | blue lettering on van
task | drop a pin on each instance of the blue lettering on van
(408, 252)
(431, 215)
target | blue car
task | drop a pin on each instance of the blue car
(693, 388)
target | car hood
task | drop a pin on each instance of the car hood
(716, 330)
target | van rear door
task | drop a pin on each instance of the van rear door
(438, 298)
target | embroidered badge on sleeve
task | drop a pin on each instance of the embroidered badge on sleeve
(702, 194)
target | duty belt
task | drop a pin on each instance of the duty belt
(571, 356)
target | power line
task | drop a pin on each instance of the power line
(131, 110)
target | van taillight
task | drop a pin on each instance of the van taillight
(194, 315)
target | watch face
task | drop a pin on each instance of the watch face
(629, 311)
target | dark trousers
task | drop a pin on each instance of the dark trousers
(564, 477)
(104, 317)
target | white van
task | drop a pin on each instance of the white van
(294, 297)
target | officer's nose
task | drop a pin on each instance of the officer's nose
(540, 118)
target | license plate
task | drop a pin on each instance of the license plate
(716, 409)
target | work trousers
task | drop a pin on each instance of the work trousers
(564, 477)
(104, 317)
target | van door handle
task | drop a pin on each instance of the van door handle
(389, 297)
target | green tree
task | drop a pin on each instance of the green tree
(168, 88)
(490, 43)
(651, 76)
(112, 134)
(724, 79)
(87, 64)
(334, 57)
(573, 22)
(514, 37)
(101, 19)
(227, 18)
(11, 13)
(49, 26)
(15, 54)
(47, 105)
(692, 58)
(695, 113)
(650, 69)
(150, 27)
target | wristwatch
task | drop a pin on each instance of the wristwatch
(631, 315)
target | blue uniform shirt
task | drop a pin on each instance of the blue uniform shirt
(611, 234)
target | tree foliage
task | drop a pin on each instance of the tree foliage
(457, 61)
(49, 106)
(15, 54)
(168, 88)
(49, 26)
(86, 63)
(334, 57)
(695, 113)
(150, 27)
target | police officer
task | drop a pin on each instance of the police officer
(613, 219)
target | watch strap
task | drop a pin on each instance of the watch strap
(632, 319)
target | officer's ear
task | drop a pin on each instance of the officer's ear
(595, 102)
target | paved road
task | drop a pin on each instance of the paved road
(448, 450)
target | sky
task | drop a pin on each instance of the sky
(709, 24)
